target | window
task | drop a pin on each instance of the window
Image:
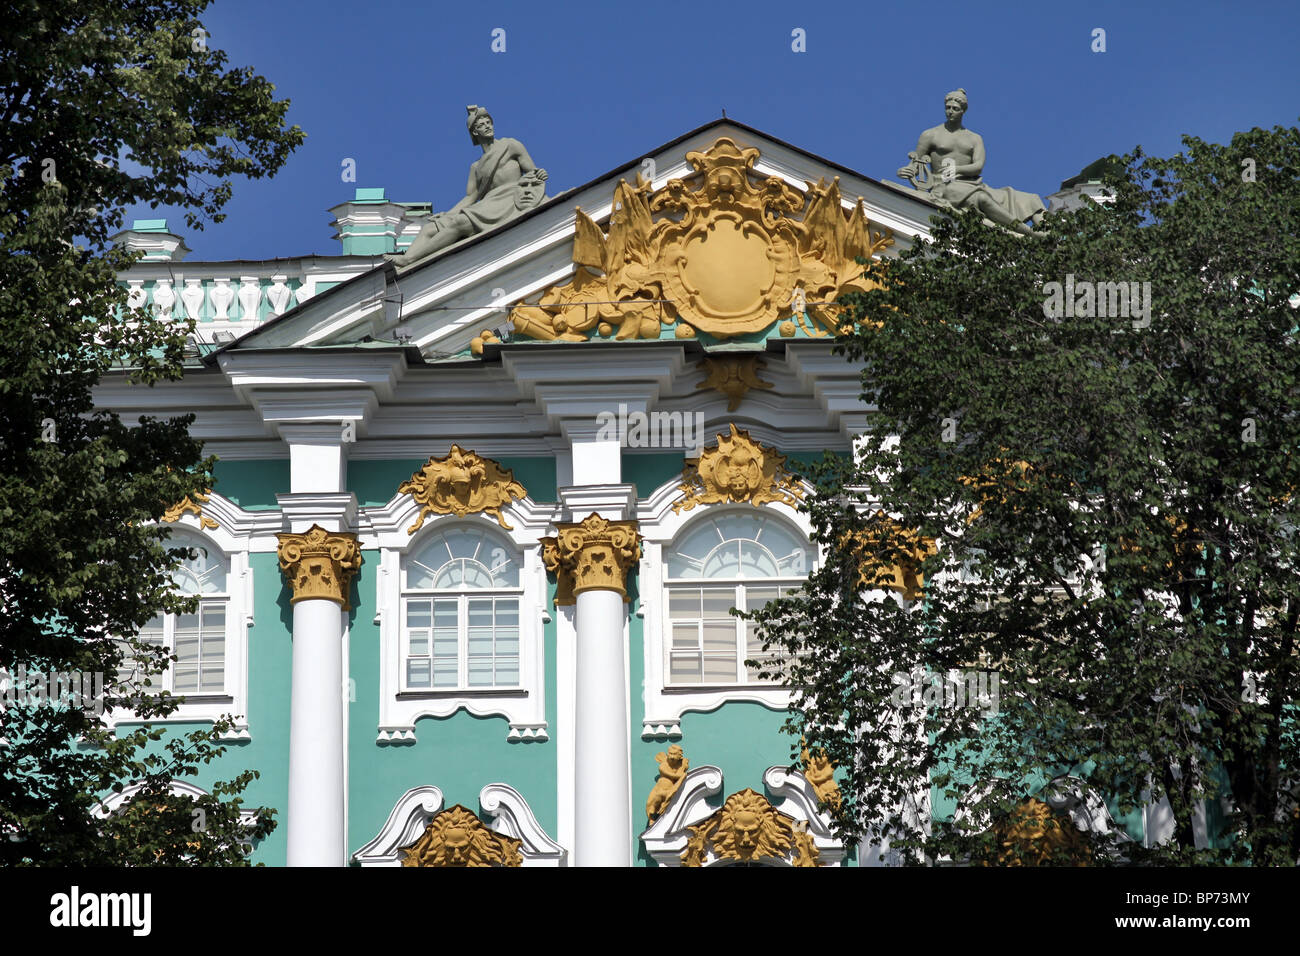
(460, 612)
(733, 560)
(197, 639)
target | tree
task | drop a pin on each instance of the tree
(104, 104)
(1101, 502)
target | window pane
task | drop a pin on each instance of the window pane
(720, 670)
(213, 680)
(756, 561)
(445, 614)
(417, 672)
(720, 636)
(450, 575)
(480, 613)
(444, 673)
(718, 602)
(186, 678)
(417, 613)
(684, 669)
(480, 642)
(507, 611)
(418, 643)
(686, 636)
(683, 602)
(507, 672)
(480, 673)
(507, 643)
(724, 562)
(756, 598)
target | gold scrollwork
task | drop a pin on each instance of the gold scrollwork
(320, 564)
(193, 506)
(461, 483)
(737, 469)
(725, 257)
(456, 837)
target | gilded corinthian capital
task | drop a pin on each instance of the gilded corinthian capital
(320, 564)
(592, 555)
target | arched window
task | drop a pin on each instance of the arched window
(731, 560)
(460, 612)
(198, 639)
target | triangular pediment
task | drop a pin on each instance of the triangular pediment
(718, 236)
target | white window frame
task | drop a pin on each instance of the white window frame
(665, 703)
(462, 596)
(523, 706)
(233, 547)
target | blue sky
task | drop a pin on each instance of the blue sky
(588, 86)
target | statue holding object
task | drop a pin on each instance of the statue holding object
(947, 164)
(503, 183)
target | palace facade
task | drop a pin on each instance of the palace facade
(479, 520)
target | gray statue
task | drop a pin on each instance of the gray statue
(503, 182)
(948, 162)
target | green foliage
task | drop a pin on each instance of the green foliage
(1114, 503)
(103, 105)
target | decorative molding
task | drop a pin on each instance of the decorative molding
(461, 483)
(727, 256)
(408, 819)
(673, 766)
(733, 376)
(510, 814)
(737, 469)
(593, 554)
(319, 564)
(418, 824)
(785, 830)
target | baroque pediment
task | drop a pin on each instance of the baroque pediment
(730, 236)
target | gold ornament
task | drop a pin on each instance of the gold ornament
(805, 849)
(724, 256)
(821, 774)
(738, 469)
(461, 483)
(594, 554)
(1032, 835)
(901, 574)
(733, 376)
(748, 829)
(194, 506)
(320, 564)
(456, 837)
(672, 771)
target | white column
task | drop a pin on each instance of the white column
(603, 800)
(315, 813)
(319, 565)
(592, 559)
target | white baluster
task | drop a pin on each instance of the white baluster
(192, 298)
(250, 296)
(221, 297)
(278, 295)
